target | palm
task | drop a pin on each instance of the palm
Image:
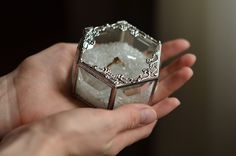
(43, 85)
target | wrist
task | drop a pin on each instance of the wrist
(30, 140)
(9, 112)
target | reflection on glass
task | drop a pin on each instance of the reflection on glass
(139, 93)
(92, 90)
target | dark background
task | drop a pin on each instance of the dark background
(29, 27)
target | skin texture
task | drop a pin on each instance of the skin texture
(44, 110)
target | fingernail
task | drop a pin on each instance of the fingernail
(148, 116)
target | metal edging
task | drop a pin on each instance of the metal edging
(153, 91)
(112, 98)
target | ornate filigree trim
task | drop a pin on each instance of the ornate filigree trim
(147, 73)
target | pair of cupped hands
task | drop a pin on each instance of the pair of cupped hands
(43, 118)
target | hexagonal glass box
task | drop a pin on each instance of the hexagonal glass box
(116, 64)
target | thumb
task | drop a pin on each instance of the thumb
(133, 116)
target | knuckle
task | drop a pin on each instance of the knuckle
(27, 61)
(148, 131)
(111, 151)
(62, 47)
(110, 123)
(65, 49)
(147, 134)
(26, 64)
(133, 117)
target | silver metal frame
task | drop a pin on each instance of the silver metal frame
(105, 74)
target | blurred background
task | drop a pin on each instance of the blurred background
(205, 123)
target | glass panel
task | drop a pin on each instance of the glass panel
(110, 35)
(92, 90)
(139, 93)
(121, 52)
(120, 57)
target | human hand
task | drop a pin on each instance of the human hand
(82, 132)
(41, 85)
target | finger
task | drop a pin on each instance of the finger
(166, 106)
(173, 48)
(185, 60)
(63, 55)
(133, 115)
(65, 48)
(129, 137)
(171, 83)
